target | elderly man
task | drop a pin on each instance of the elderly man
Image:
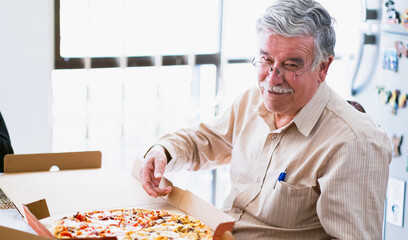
(304, 163)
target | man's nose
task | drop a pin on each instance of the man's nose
(275, 76)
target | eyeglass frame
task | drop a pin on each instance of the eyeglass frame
(271, 68)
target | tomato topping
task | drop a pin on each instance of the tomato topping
(83, 226)
(81, 217)
(66, 234)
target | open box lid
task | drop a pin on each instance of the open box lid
(88, 187)
(23, 163)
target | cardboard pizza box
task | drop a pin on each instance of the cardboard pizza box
(13, 234)
(81, 184)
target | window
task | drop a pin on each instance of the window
(128, 71)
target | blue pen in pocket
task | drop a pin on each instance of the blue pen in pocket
(281, 178)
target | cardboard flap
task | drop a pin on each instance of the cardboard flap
(191, 204)
(175, 197)
(14, 163)
(13, 234)
(40, 208)
(204, 211)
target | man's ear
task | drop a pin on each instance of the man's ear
(324, 67)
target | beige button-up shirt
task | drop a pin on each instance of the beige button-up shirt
(336, 159)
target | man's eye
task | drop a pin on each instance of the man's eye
(267, 60)
(292, 67)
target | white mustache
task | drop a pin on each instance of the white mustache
(275, 89)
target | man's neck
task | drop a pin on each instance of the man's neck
(282, 120)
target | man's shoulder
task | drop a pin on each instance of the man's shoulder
(349, 119)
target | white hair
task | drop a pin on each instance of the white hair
(293, 18)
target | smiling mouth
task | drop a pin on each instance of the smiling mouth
(277, 89)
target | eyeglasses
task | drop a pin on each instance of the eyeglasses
(287, 71)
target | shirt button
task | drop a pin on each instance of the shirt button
(237, 210)
(274, 136)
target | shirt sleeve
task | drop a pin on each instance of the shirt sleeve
(203, 147)
(5, 144)
(353, 189)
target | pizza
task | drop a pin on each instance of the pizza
(132, 223)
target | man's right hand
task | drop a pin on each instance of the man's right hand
(153, 170)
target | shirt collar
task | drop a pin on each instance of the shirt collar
(307, 117)
(267, 116)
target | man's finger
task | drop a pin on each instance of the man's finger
(227, 236)
(149, 190)
(162, 191)
(159, 166)
(156, 181)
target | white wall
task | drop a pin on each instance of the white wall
(26, 62)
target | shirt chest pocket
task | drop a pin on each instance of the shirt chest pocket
(289, 206)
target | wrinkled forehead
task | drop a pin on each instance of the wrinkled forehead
(282, 48)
